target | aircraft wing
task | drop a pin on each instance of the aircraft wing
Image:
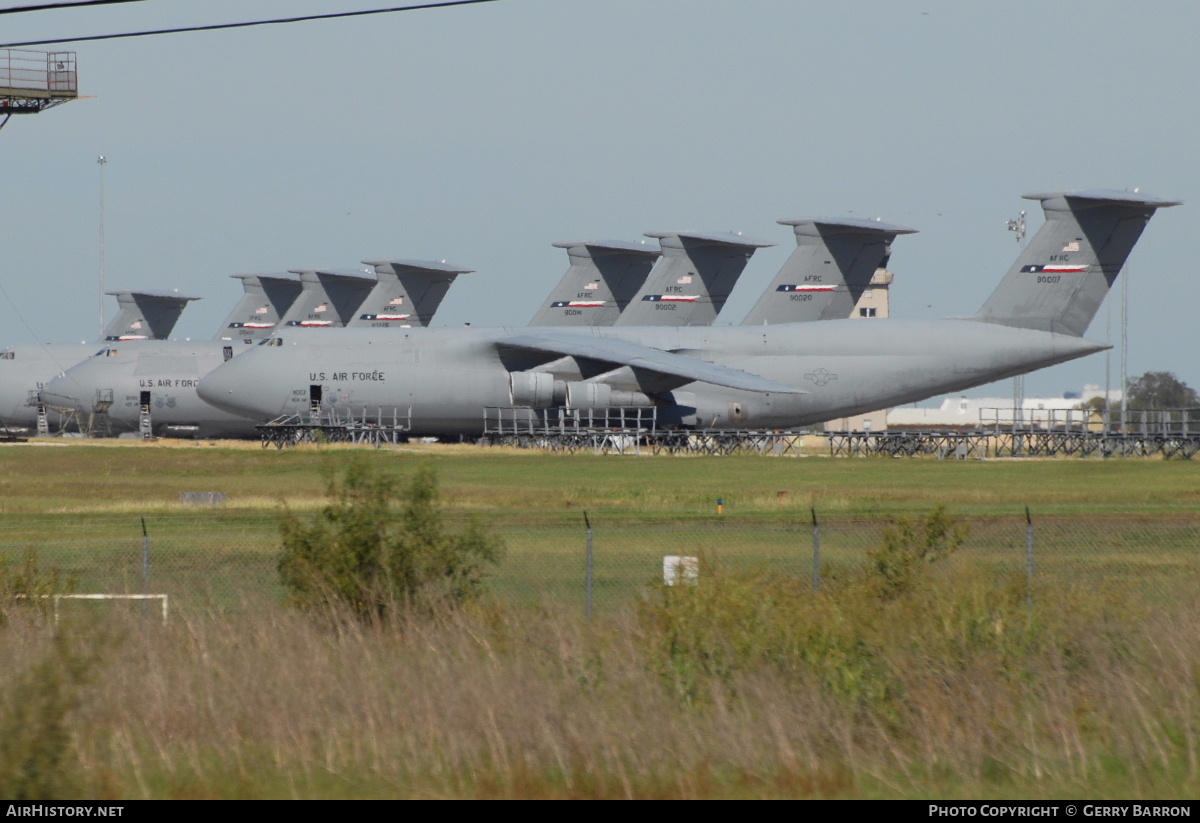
(646, 358)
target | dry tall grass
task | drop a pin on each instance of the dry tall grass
(739, 687)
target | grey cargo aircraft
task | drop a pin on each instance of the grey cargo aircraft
(612, 283)
(693, 280)
(329, 298)
(408, 293)
(603, 277)
(780, 375)
(267, 297)
(161, 377)
(24, 370)
(823, 278)
(834, 261)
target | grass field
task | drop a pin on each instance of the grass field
(133, 478)
(753, 685)
(1133, 520)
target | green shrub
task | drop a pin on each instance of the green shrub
(37, 760)
(909, 546)
(27, 585)
(374, 547)
(730, 623)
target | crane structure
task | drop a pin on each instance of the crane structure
(33, 81)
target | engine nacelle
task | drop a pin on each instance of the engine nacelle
(535, 389)
(603, 396)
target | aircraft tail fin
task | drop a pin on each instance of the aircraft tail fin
(603, 277)
(266, 299)
(1063, 275)
(691, 283)
(328, 298)
(408, 292)
(145, 315)
(832, 265)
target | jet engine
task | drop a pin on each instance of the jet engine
(538, 390)
(603, 396)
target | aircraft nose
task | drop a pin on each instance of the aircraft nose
(227, 388)
(68, 386)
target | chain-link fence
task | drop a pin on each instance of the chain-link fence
(226, 559)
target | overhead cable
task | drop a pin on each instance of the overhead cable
(56, 6)
(219, 26)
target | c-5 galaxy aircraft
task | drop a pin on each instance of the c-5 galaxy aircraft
(267, 298)
(24, 370)
(613, 283)
(823, 278)
(603, 277)
(408, 293)
(834, 261)
(157, 381)
(690, 285)
(781, 375)
(328, 299)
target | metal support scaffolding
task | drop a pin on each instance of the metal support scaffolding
(145, 423)
(339, 424)
(43, 419)
(940, 444)
(622, 430)
(99, 422)
(1083, 433)
(71, 413)
(1039, 433)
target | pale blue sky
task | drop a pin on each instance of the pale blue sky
(483, 134)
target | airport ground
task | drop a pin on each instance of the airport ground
(965, 684)
(61, 476)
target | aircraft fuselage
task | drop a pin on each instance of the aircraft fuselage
(448, 376)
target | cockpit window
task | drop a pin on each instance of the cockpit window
(110, 352)
(274, 341)
(8, 355)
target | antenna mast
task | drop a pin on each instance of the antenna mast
(1018, 227)
(101, 161)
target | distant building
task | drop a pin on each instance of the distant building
(969, 412)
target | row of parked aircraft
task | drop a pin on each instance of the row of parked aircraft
(630, 324)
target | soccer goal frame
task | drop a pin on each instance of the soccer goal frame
(58, 598)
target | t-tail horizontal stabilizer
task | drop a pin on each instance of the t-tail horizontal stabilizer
(691, 283)
(267, 298)
(834, 261)
(145, 315)
(328, 299)
(604, 276)
(1062, 276)
(408, 293)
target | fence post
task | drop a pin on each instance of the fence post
(816, 573)
(1028, 558)
(145, 563)
(590, 564)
